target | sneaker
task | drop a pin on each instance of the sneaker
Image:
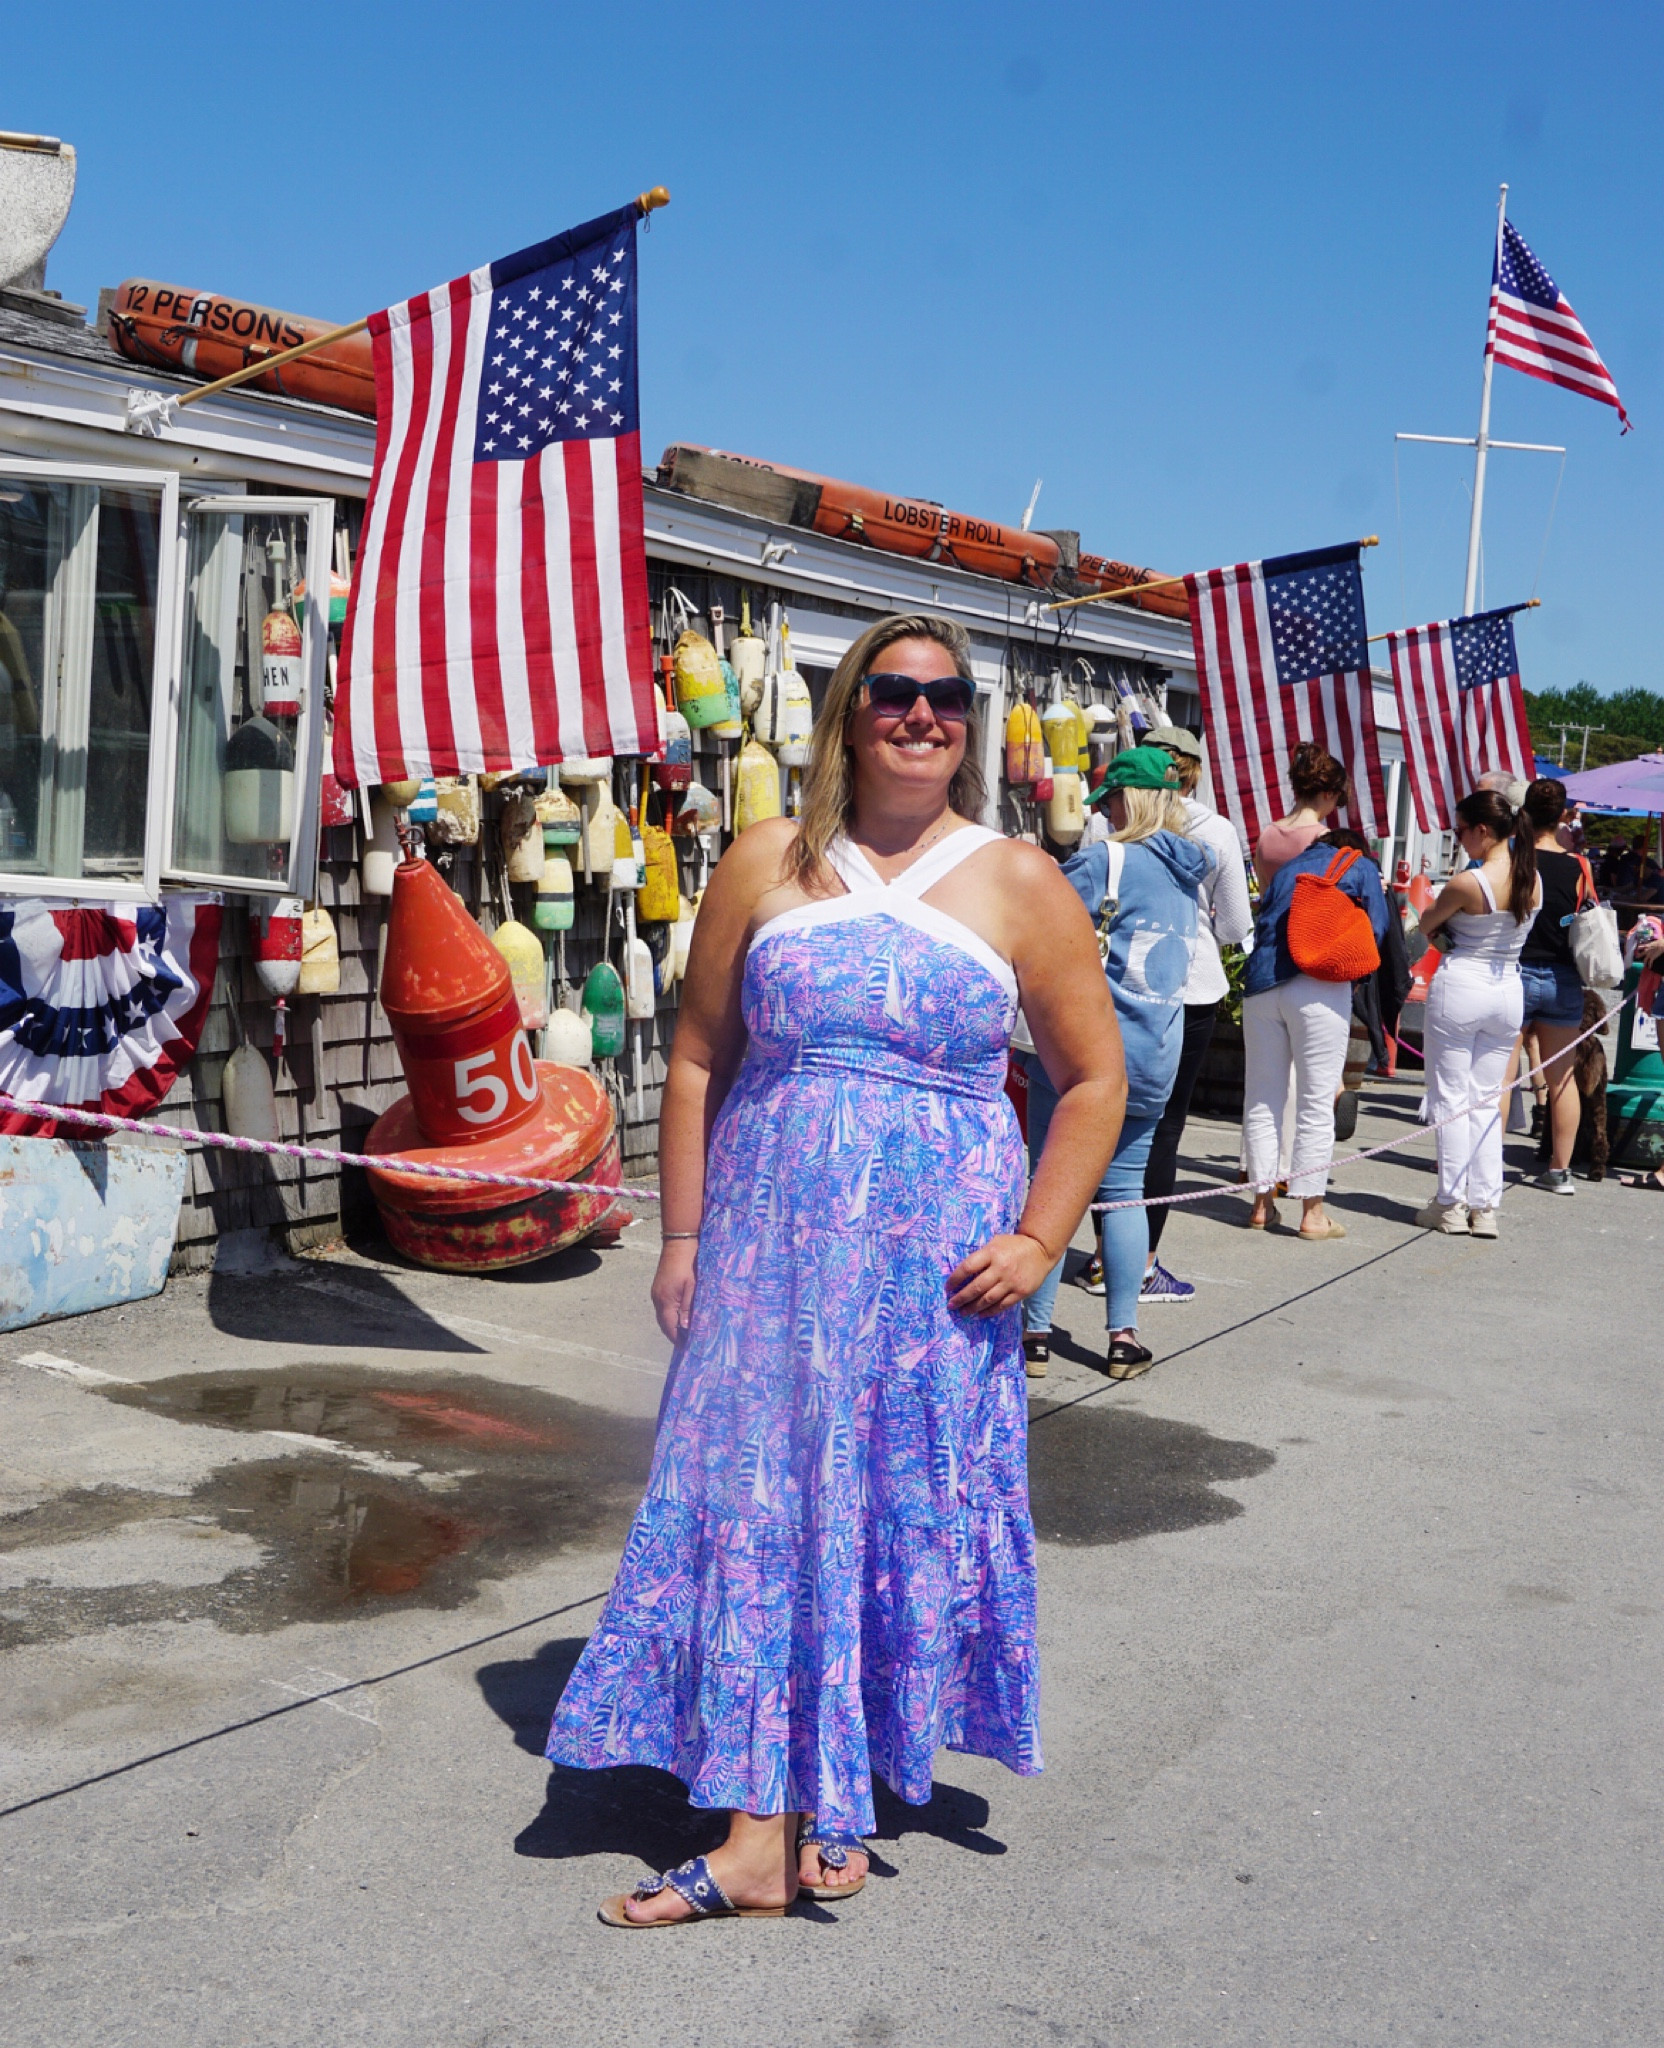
(1449, 1217)
(1555, 1180)
(1160, 1285)
(1346, 1115)
(1482, 1223)
(1037, 1351)
(1090, 1278)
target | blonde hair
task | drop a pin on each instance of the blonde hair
(1190, 772)
(829, 780)
(1150, 811)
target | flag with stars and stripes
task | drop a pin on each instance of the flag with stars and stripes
(1533, 328)
(498, 617)
(1281, 657)
(1461, 710)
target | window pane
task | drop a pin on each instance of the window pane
(77, 640)
(32, 518)
(123, 649)
(234, 803)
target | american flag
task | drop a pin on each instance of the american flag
(1461, 709)
(1532, 328)
(1281, 656)
(499, 614)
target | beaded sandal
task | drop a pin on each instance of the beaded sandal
(694, 1882)
(834, 1851)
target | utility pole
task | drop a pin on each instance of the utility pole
(1583, 755)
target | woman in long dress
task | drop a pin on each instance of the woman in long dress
(832, 1573)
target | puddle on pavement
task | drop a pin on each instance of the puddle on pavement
(1109, 1475)
(381, 1492)
(438, 1482)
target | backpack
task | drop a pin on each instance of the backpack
(1330, 936)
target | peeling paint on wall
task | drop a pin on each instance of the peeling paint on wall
(83, 1226)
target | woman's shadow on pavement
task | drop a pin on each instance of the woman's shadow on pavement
(632, 1810)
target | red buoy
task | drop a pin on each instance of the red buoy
(450, 1001)
(478, 1099)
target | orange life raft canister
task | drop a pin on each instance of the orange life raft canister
(901, 526)
(171, 328)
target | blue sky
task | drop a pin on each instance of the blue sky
(1191, 265)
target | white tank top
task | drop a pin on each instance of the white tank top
(1492, 936)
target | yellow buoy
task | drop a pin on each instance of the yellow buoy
(520, 948)
(1024, 747)
(757, 786)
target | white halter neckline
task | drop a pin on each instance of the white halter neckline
(869, 895)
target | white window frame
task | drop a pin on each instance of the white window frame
(302, 874)
(117, 888)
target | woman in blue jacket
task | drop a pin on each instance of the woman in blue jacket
(1293, 1022)
(1141, 888)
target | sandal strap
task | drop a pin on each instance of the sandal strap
(692, 1881)
(834, 1848)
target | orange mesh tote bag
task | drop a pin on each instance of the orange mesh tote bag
(1330, 936)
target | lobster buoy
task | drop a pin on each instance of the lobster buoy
(320, 955)
(681, 940)
(585, 768)
(748, 657)
(1066, 810)
(522, 839)
(701, 693)
(1024, 747)
(381, 845)
(731, 726)
(520, 948)
(566, 1039)
(603, 1010)
(625, 874)
(457, 810)
(554, 911)
(601, 840)
(280, 664)
(638, 980)
(758, 793)
(1064, 732)
(259, 785)
(277, 941)
(1042, 789)
(674, 771)
(401, 795)
(562, 821)
(785, 716)
(699, 812)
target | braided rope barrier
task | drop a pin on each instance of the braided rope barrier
(1260, 1187)
(396, 1163)
(390, 1162)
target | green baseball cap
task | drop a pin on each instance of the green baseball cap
(1138, 768)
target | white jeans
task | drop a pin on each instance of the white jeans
(1473, 1017)
(1300, 1025)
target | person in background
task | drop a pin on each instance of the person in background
(1570, 831)
(1553, 989)
(1224, 916)
(1474, 1007)
(1293, 1022)
(1148, 931)
(1650, 953)
(1320, 788)
(1378, 999)
(1615, 868)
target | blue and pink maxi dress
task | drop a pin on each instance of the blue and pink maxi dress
(832, 1573)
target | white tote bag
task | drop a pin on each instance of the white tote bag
(1597, 952)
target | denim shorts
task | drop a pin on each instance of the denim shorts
(1553, 992)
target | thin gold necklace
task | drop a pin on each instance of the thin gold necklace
(924, 844)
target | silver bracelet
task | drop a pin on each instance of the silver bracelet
(674, 1236)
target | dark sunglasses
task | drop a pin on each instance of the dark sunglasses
(949, 697)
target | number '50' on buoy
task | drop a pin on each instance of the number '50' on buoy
(477, 1098)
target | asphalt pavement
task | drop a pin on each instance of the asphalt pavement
(1350, 1625)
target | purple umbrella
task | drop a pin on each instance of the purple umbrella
(1634, 787)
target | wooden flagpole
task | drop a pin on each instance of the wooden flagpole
(647, 202)
(1063, 604)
